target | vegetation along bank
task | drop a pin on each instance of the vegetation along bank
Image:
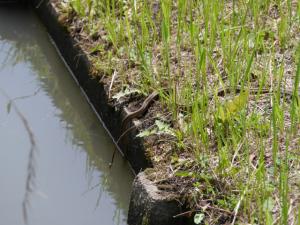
(215, 90)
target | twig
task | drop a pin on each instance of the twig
(39, 4)
(111, 83)
(186, 213)
(115, 150)
(236, 210)
(219, 209)
(199, 210)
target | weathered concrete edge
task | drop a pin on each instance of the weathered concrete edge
(79, 65)
(150, 206)
(147, 205)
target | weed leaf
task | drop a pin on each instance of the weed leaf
(124, 93)
(164, 128)
(146, 133)
(198, 218)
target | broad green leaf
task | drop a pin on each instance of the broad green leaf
(268, 204)
(183, 174)
(198, 218)
(146, 133)
(164, 128)
(222, 114)
(96, 49)
(161, 125)
(237, 104)
(126, 92)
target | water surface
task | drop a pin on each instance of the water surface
(50, 138)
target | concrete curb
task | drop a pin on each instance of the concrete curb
(148, 205)
(79, 64)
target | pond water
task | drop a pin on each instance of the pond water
(54, 154)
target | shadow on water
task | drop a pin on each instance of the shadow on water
(28, 43)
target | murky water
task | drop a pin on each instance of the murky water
(54, 155)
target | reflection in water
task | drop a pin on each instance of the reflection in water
(31, 166)
(73, 187)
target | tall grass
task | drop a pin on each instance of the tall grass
(229, 71)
